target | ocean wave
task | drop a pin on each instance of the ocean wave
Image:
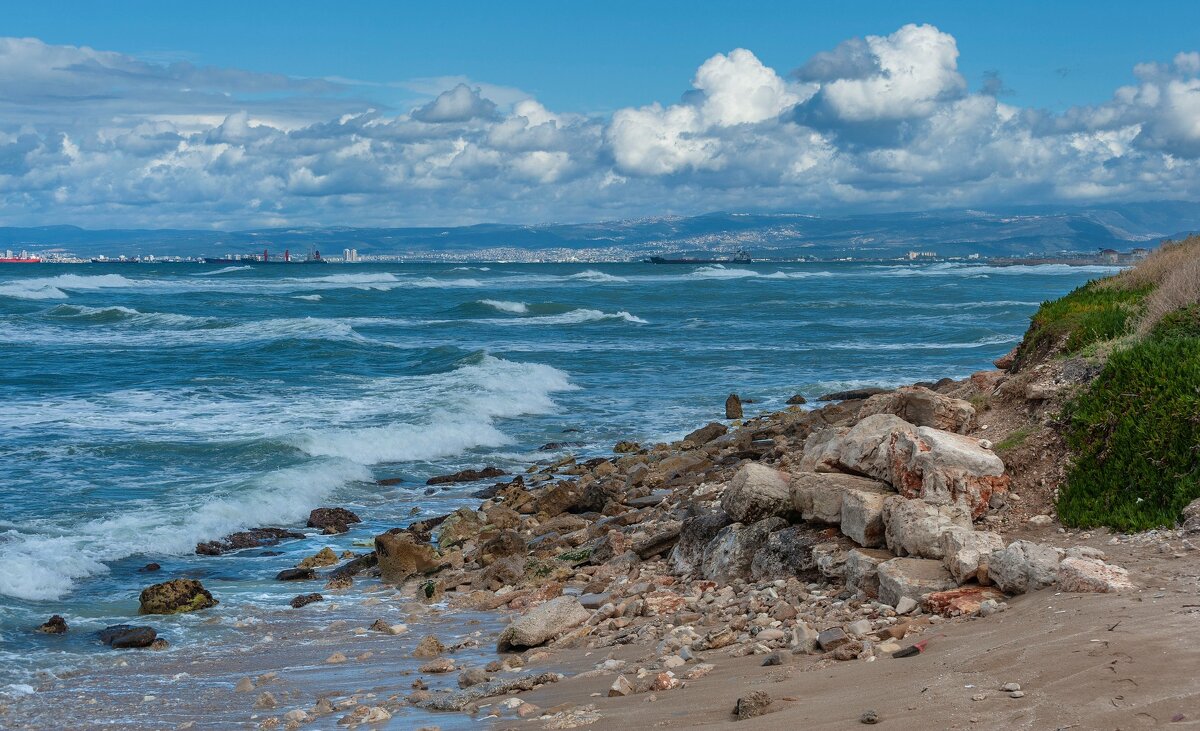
(980, 343)
(43, 563)
(574, 317)
(718, 271)
(308, 297)
(42, 288)
(225, 270)
(430, 282)
(591, 275)
(169, 330)
(115, 314)
(517, 308)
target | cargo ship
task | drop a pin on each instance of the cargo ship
(23, 258)
(313, 257)
(742, 257)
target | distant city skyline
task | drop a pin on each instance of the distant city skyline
(280, 115)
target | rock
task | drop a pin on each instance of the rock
(1091, 575)
(1040, 521)
(862, 570)
(659, 538)
(914, 527)
(458, 527)
(429, 646)
(862, 515)
(757, 492)
(963, 601)
(332, 520)
(400, 557)
(733, 407)
(706, 433)
(786, 553)
(56, 625)
(472, 676)
(694, 536)
(859, 627)
(296, 575)
(731, 552)
(832, 638)
(922, 407)
(150, 567)
(870, 718)
(304, 600)
(753, 704)
(1024, 566)
(905, 605)
(626, 447)
(124, 636)
(864, 449)
(461, 699)
(817, 496)
(912, 578)
(506, 543)
(438, 666)
(1008, 360)
(775, 658)
(336, 659)
(322, 558)
(175, 596)
(246, 539)
(486, 473)
(543, 623)
(831, 559)
(966, 553)
(796, 400)
(853, 394)
(265, 700)
(946, 469)
(620, 687)
(245, 685)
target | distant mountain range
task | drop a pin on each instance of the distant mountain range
(1009, 232)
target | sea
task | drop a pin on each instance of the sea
(145, 408)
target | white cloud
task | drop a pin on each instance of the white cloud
(99, 138)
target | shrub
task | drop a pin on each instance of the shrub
(1135, 436)
(1015, 439)
(1090, 314)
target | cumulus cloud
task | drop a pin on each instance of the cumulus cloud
(100, 138)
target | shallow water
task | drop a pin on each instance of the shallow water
(145, 408)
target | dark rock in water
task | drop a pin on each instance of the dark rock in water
(853, 394)
(733, 407)
(354, 566)
(124, 636)
(626, 447)
(175, 596)
(571, 430)
(150, 567)
(296, 575)
(332, 520)
(253, 538)
(56, 625)
(269, 553)
(706, 434)
(423, 529)
(555, 446)
(390, 481)
(797, 400)
(466, 476)
(305, 599)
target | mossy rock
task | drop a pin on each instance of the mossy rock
(175, 597)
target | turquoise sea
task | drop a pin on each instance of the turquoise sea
(144, 408)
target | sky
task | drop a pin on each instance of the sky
(236, 115)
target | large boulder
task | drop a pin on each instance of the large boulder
(915, 528)
(124, 636)
(862, 514)
(756, 492)
(863, 449)
(1024, 566)
(731, 552)
(504, 544)
(786, 553)
(459, 526)
(332, 520)
(174, 597)
(966, 552)
(946, 469)
(694, 536)
(831, 558)
(706, 433)
(401, 557)
(543, 623)
(1081, 574)
(912, 578)
(862, 570)
(817, 496)
(921, 407)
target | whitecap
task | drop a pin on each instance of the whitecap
(718, 271)
(517, 308)
(573, 317)
(591, 275)
(226, 270)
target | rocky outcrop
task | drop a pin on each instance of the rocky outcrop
(543, 623)
(786, 553)
(174, 597)
(966, 553)
(253, 538)
(694, 536)
(56, 625)
(922, 407)
(459, 526)
(124, 636)
(733, 407)
(401, 557)
(1079, 574)
(324, 557)
(332, 520)
(1024, 566)
(946, 469)
(486, 473)
(863, 449)
(757, 492)
(912, 578)
(731, 552)
(817, 496)
(915, 528)
(862, 570)
(862, 515)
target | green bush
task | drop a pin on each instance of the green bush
(1134, 434)
(1183, 323)
(1088, 315)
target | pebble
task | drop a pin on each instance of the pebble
(1017, 694)
(869, 717)
(1010, 687)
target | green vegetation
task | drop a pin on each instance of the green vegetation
(1091, 314)
(1015, 439)
(579, 555)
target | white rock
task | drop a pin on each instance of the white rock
(913, 527)
(966, 552)
(1024, 566)
(757, 492)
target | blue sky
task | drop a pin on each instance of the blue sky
(228, 114)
